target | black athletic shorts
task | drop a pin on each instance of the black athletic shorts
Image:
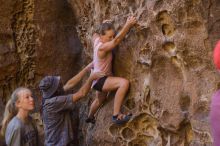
(100, 83)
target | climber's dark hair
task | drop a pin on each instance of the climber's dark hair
(104, 27)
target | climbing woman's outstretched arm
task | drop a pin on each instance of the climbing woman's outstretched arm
(108, 46)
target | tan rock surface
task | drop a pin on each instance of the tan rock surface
(167, 58)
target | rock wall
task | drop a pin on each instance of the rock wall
(38, 38)
(167, 58)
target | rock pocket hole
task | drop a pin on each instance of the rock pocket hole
(167, 30)
(184, 102)
(163, 17)
(130, 103)
(170, 48)
(114, 130)
(155, 107)
(141, 140)
(127, 133)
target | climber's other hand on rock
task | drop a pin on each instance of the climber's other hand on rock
(131, 20)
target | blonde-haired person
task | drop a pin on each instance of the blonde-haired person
(17, 125)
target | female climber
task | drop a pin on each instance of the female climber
(103, 43)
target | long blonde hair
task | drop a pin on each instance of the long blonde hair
(10, 109)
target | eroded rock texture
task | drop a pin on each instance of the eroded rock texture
(37, 38)
(167, 57)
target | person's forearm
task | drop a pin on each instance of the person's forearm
(83, 91)
(120, 36)
(75, 80)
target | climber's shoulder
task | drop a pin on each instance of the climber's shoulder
(95, 36)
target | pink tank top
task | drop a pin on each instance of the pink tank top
(104, 64)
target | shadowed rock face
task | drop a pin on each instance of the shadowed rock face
(167, 57)
(37, 39)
